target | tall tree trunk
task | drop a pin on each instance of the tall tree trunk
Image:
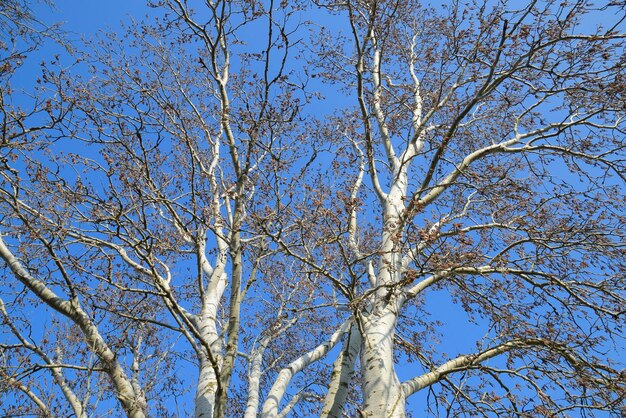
(383, 396)
(343, 370)
(232, 343)
(382, 393)
(207, 387)
(206, 390)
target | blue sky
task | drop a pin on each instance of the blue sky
(86, 18)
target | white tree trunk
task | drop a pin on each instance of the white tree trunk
(343, 370)
(254, 379)
(272, 403)
(206, 389)
(383, 396)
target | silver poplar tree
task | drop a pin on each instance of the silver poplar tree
(242, 208)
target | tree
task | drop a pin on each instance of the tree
(179, 199)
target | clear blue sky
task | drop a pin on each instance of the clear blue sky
(87, 17)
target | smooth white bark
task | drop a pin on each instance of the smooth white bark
(205, 391)
(382, 393)
(254, 379)
(343, 370)
(131, 402)
(270, 407)
(206, 388)
(465, 361)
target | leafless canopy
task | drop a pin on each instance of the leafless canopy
(328, 208)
